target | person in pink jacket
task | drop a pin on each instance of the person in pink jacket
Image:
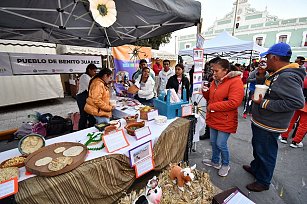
(300, 115)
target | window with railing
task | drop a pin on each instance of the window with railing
(259, 41)
(283, 38)
(187, 46)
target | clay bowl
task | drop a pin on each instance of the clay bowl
(131, 118)
(131, 127)
(110, 128)
(21, 164)
(40, 137)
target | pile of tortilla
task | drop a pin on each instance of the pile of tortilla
(58, 163)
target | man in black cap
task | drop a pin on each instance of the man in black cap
(300, 60)
(272, 113)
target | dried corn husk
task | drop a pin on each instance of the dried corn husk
(200, 192)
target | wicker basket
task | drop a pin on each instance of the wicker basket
(143, 115)
(133, 89)
(131, 119)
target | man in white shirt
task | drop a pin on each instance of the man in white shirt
(142, 64)
(82, 96)
(164, 75)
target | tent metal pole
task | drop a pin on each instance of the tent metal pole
(247, 84)
(33, 19)
(60, 13)
(72, 10)
(108, 60)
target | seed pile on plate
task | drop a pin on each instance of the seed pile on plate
(13, 162)
(200, 192)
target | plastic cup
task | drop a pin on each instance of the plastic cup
(113, 102)
(260, 89)
(206, 83)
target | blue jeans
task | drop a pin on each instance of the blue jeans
(101, 119)
(218, 141)
(265, 149)
(143, 101)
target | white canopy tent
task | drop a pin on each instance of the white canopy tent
(225, 45)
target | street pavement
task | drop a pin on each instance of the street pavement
(290, 175)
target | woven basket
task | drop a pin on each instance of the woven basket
(143, 115)
(133, 89)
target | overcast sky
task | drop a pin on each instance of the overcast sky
(216, 9)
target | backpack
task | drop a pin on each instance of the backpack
(58, 125)
(23, 130)
(45, 118)
(39, 128)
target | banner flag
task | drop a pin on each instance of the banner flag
(127, 58)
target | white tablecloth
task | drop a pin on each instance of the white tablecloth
(81, 136)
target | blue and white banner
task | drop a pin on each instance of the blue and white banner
(200, 41)
(51, 64)
(5, 65)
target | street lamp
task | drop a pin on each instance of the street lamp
(235, 18)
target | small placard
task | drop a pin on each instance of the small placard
(198, 54)
(186, 110)
(152, 114)
(197, 77)
(8, 187)
(144, 166)
(198, 66)
(115, 141)
(237, 198)
(140, 152)
(142, 132)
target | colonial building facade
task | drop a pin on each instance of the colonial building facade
(258, 26)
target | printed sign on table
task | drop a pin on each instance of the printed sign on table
(8, 187)
(115, 141)
(152, 114)
(237, 198)
(142, 132)
(186, 110)
(140, 152)
(144, 166)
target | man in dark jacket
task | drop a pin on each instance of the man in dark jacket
(272, 113)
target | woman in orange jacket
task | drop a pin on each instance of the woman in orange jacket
(98, 101)
(224, 96)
